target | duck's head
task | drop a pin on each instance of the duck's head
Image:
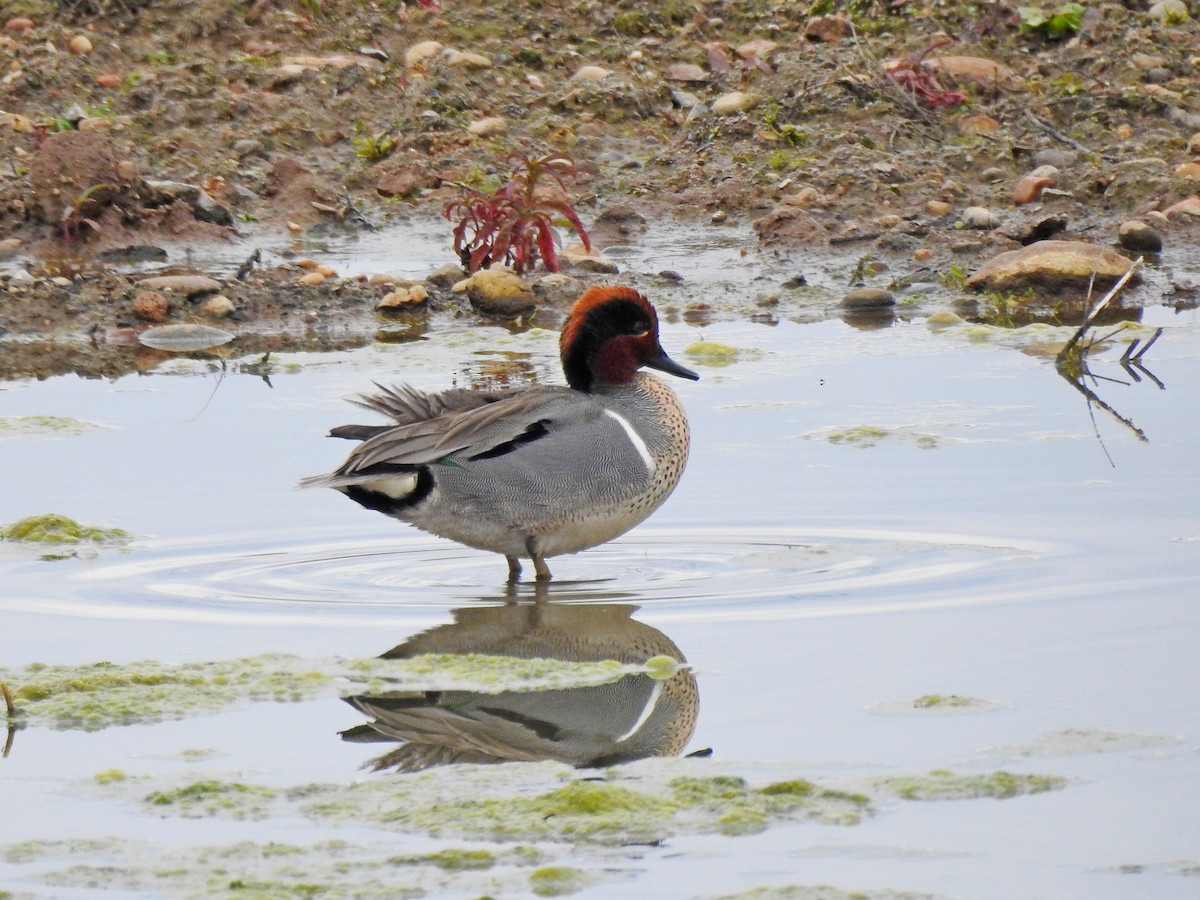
(610, 333)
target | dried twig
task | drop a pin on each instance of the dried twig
(1069, 349)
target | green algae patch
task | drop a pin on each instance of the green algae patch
(208, 798)
(824, 892)
(942, 784)
(710, 353)
(43, 426)
(453, 860)
(108, 776)
(944, 701)
(52, 528)
(556, 881)
(100, 695)
(866, 436)
(491, 674)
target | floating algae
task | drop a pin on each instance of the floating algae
(941, 784)
(52, 528)
(99, 695)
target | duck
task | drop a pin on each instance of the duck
(536, 471)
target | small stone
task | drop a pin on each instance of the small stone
(686, 72)
(974, 69)
(590, 74)
(467, 59)
(1139, 237)
(416, 55)
(216, 307)
(978, 125)
(108, 80)
(327, 271)
(402, 298)
(576, 256)
(938, 208)
(1193, 144)
(921, 254)
(868, 298)
(1170, 12)
(757, 48)
(735, 102)
(382, 278)
(805, 196)
(312, 278)
(487, 127)
(9, 247)
(79, 45)
(18, 23)
(151, 306)
(188, 285)
(500, 292)
(827, 29)
(979, 217)
(1189, 171)
(1188, 207)
(1029, 189)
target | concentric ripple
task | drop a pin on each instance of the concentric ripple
(758, 572)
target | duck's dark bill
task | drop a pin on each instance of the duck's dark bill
(664, 363)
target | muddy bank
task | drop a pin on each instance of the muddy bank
(927, 137)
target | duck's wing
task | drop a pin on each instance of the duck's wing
(406, 405)
(484, 431)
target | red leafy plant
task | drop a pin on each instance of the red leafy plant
(515, 224)
(914, 75)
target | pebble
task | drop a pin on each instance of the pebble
(1140, 237)
(735, 102)
(590, 74)
(827, 29)
(18, 23)
(686, 72)
(416, 55)
(938, 207)
(313, 278)
(1029, 189)
(1194, 144)
(576, 256)
(189, 285)
(489, 126)
(1188, 207)
(864, 298)
(978, 124)
(402, 298)
(79, 45)
(757, 48)
(9, 247)
(979, 217)
(151, 306)
(467, 60)
(973, 69)
(217, 307)
(108, 80)
(1189, 171)
(499, 292)
(1169, 11)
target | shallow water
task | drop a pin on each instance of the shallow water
(869, 516)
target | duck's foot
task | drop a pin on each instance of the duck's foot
(540, 567)
(514, 569)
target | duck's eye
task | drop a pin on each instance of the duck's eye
(639, 326)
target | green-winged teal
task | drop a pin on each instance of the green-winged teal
(536, 471)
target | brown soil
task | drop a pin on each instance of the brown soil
(294, 115)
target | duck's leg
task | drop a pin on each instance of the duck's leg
(514, 569)
(539, 560)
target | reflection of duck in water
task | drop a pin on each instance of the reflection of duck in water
(537, 471)
(631, 718)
